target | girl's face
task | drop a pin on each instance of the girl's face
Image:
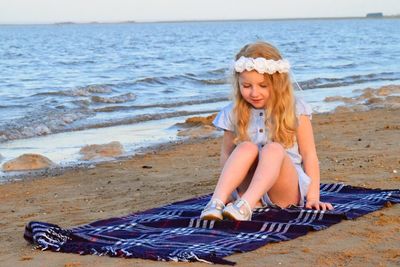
(254, 88)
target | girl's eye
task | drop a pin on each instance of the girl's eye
(245, 86)
(263, 85)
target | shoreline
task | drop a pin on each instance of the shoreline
(357, 148)
(21, 176)
(188, 131)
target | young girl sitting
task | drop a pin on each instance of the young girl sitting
(268, 152)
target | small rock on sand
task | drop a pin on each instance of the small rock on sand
(368, 93)
(198, 131)
(388, 90)
(27, 162)
(394, 99)
(201, 120)
(339, 98)
(197, 126)
(353, 108)
(375, 100)
(112, 149)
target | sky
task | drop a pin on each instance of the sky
(51, 11)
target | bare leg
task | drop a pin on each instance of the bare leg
(275, 174)
(246, 182)
(235, 170)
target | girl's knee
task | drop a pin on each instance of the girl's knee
(275, 148)
(248, 147)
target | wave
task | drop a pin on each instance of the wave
(168, 91)
(342, 66)
(164, 80)
(12, 106)
(349, 80)
(217, 71)
(80, 91)
(214, 81)
(41, 122)
(114, 99)
(162, 105)
(89, 90)
(153, 80)
(12, 55)
(76, 62)
(52, 124)
(141, 118)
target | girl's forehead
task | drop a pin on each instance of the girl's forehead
(252, 77)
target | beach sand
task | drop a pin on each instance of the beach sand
(357, 148)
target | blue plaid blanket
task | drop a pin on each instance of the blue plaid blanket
(175, 233)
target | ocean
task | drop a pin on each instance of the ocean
(68, 85)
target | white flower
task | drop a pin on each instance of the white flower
(239, 64)
(284, 66)
(261, 65)
(249, 64)
(271, 66)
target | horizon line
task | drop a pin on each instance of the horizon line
(194, 20)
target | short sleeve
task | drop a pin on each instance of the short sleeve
(303, 108)
(224, 119)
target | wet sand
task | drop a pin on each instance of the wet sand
(357, 148)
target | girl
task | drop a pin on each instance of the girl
(268, 140)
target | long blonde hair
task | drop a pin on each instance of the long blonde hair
(280, 107)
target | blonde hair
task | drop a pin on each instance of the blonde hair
(280, 107)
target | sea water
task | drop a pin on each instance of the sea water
(68, 85)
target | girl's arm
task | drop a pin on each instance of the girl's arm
(307, 149)
(227, 147)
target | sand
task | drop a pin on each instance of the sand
(357, 148)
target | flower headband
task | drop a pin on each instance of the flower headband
(261, 65)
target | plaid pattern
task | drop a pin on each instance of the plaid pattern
(175, 232)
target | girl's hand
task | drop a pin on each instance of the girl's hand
(318, 205)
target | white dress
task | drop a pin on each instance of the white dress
(258, 134)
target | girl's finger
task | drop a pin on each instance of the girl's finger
(330, 207)
(323, 206)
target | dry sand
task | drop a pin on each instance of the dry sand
(358, 148)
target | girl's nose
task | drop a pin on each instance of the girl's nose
(253, 92)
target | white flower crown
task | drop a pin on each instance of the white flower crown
(261, 65)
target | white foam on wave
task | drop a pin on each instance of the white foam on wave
(42, 122)
(63, 148)
(88, 90)
(114, 99)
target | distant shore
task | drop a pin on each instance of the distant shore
(61, 23)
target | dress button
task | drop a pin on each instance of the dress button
(261, 130)
(261, 113)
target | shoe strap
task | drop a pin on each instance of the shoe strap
(242, 202)
(215, 203)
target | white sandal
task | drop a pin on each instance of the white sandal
(213, 210)
(239, 210)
